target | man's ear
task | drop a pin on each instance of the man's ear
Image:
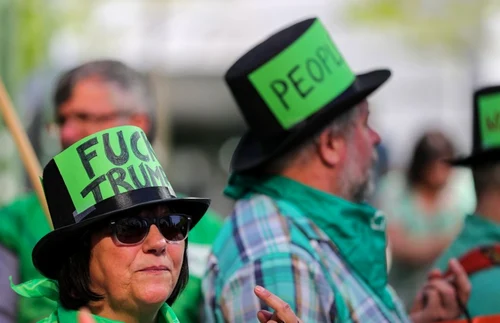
(331, 149)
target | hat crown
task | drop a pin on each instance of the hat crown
(288, 77)
(102, 173)
(486, 118)
(290, 87)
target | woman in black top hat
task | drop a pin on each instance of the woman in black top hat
(120, 239)
(120, 234)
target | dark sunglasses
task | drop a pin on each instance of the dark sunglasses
(134, 229)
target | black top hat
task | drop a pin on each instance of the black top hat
(485, 128)
(111, 171)
(291, 86)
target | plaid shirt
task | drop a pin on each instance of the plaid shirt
(270, 243)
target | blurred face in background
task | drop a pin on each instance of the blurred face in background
(428, 168)
(437, 174)
(95, 105)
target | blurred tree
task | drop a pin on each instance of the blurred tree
(452, 27)
(450, 24)
(27, 27)
(26, 30)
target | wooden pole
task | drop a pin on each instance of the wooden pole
(24, 147)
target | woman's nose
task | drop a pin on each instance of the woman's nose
(155, 242)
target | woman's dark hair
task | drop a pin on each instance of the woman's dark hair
(74, 277)
(432, 146)
(183, 278)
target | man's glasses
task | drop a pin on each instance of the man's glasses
(92, 118)
(134, 229)
(86, 119)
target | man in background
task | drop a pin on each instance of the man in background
(300, 226)
(478, 244)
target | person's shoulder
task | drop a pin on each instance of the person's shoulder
(256, 213)
(391, 187)
(24, 216)
(394, 178)
(25, 203)
(212, 220)
(260, 214)
(255, 206)
(456, 249)
(52, 318)
(26, 198)
(460, 190)
(254, 229)
(462, 176)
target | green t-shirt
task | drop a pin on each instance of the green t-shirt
(23, 223)
(48, 289)
(476, 232)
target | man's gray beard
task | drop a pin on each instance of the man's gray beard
(359, 191)
(365, 190)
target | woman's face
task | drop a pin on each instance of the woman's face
(135, 276)
(437, 174)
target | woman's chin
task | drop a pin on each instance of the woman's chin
(154, 295)
(154, 289)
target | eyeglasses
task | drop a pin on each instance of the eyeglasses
(134, 229)
(92, 118)
(86, 119)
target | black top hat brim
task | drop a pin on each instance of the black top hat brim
(253, 152)
(59, 244)
(477, 158)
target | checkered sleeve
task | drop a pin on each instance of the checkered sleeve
(211, 311)
(289, 276)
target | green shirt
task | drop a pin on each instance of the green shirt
(323, 255)
(48, 289)
(485, 293)
(23, 223)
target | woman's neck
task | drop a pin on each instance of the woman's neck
(124, 314)
(428, 197)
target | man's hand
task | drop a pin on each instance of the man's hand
(282, 311)
(442, 297)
